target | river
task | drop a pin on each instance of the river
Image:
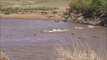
(26, 39)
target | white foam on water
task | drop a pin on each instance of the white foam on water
(78, 28)
(90, 26)
(56, 30)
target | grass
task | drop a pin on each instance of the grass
(34, 3)
(81, 51)
(10, 10)
(81, 54)
(20, 6)
(3, 56)
(33, 9)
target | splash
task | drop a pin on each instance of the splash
(56, 30)
(78, 28)
(90, 26)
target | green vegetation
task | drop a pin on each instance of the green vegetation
(88, 9)
(10, 10)
(32, 6)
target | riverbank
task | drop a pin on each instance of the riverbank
(34, 9)
(37, 16)
(87, 12)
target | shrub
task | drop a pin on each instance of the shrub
(89, 9)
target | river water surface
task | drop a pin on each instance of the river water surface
(37, 39)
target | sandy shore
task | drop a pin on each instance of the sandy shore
(37, 16)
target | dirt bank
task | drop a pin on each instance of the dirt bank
(37, 16)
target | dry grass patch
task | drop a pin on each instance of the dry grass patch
(81, 54)
(3, 56)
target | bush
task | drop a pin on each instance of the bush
(89, 9)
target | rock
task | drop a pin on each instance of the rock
(103, 22)
(57, 21)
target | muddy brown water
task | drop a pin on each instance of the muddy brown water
(36, 39)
